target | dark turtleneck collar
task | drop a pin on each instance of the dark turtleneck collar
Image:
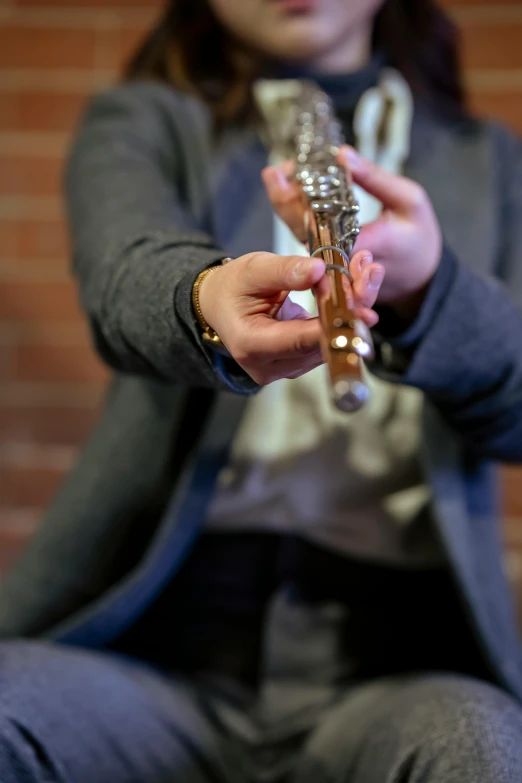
(344, 89)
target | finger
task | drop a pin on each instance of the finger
(359, 261)
(290, 311)
(367, 284)
(295, 369)
(269, 274)
(290, 340)
(363, 295)
(379, 235)
(367, 316)
(286, 198)
(287, 168)
(395, 192)
(323, 288)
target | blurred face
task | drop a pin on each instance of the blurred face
(330, 35)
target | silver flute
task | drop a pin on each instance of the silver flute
(303, 127)
(332, 227)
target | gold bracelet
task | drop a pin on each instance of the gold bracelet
(209, 336)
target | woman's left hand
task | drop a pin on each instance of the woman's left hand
(406, 238)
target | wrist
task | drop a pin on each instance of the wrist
(198, 297)
(201, 302)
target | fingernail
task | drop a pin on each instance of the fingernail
(280, 179)
(270, 176)
(365, 260)
(352, 158)
(375, 278)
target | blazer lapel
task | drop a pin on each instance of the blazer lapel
(242, 215)
(455, 168)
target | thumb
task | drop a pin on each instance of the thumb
(283, 273)
(291, 311)
(378, 235)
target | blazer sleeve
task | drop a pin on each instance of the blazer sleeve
(465, 348)
(137, 246)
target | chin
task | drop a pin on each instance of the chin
(300, 44)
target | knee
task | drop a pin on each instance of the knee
(467, 724)
(22, 755)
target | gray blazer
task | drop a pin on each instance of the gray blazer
(154, 198)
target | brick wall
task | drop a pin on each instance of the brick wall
(53, 53)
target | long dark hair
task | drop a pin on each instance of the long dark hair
(190, 50)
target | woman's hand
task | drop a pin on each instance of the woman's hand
(406, 238)
(246, 302)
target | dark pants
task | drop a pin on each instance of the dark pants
(248, 693)
(67, 715)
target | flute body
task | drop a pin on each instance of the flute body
(300, 124)
(331, 223)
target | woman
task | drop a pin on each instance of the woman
(250, 586)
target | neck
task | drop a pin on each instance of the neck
(351, 53)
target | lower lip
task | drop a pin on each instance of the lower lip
(296, 6)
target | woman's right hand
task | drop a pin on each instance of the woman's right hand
(246, 302)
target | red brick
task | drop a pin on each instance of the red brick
(35, 303)
(9, 111)
(46, 47)
(47, 424)
(30, 176)
(9, 239)
(12, 545)
(28, 486)
(512, 534)
(512, 492)
(43, 363)
(34, 239)
(43, 239)
(34, 270)
(6, 361)
(33, 110)
(129, 41)
(21, 521)
(115, 46)
(487, 45)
